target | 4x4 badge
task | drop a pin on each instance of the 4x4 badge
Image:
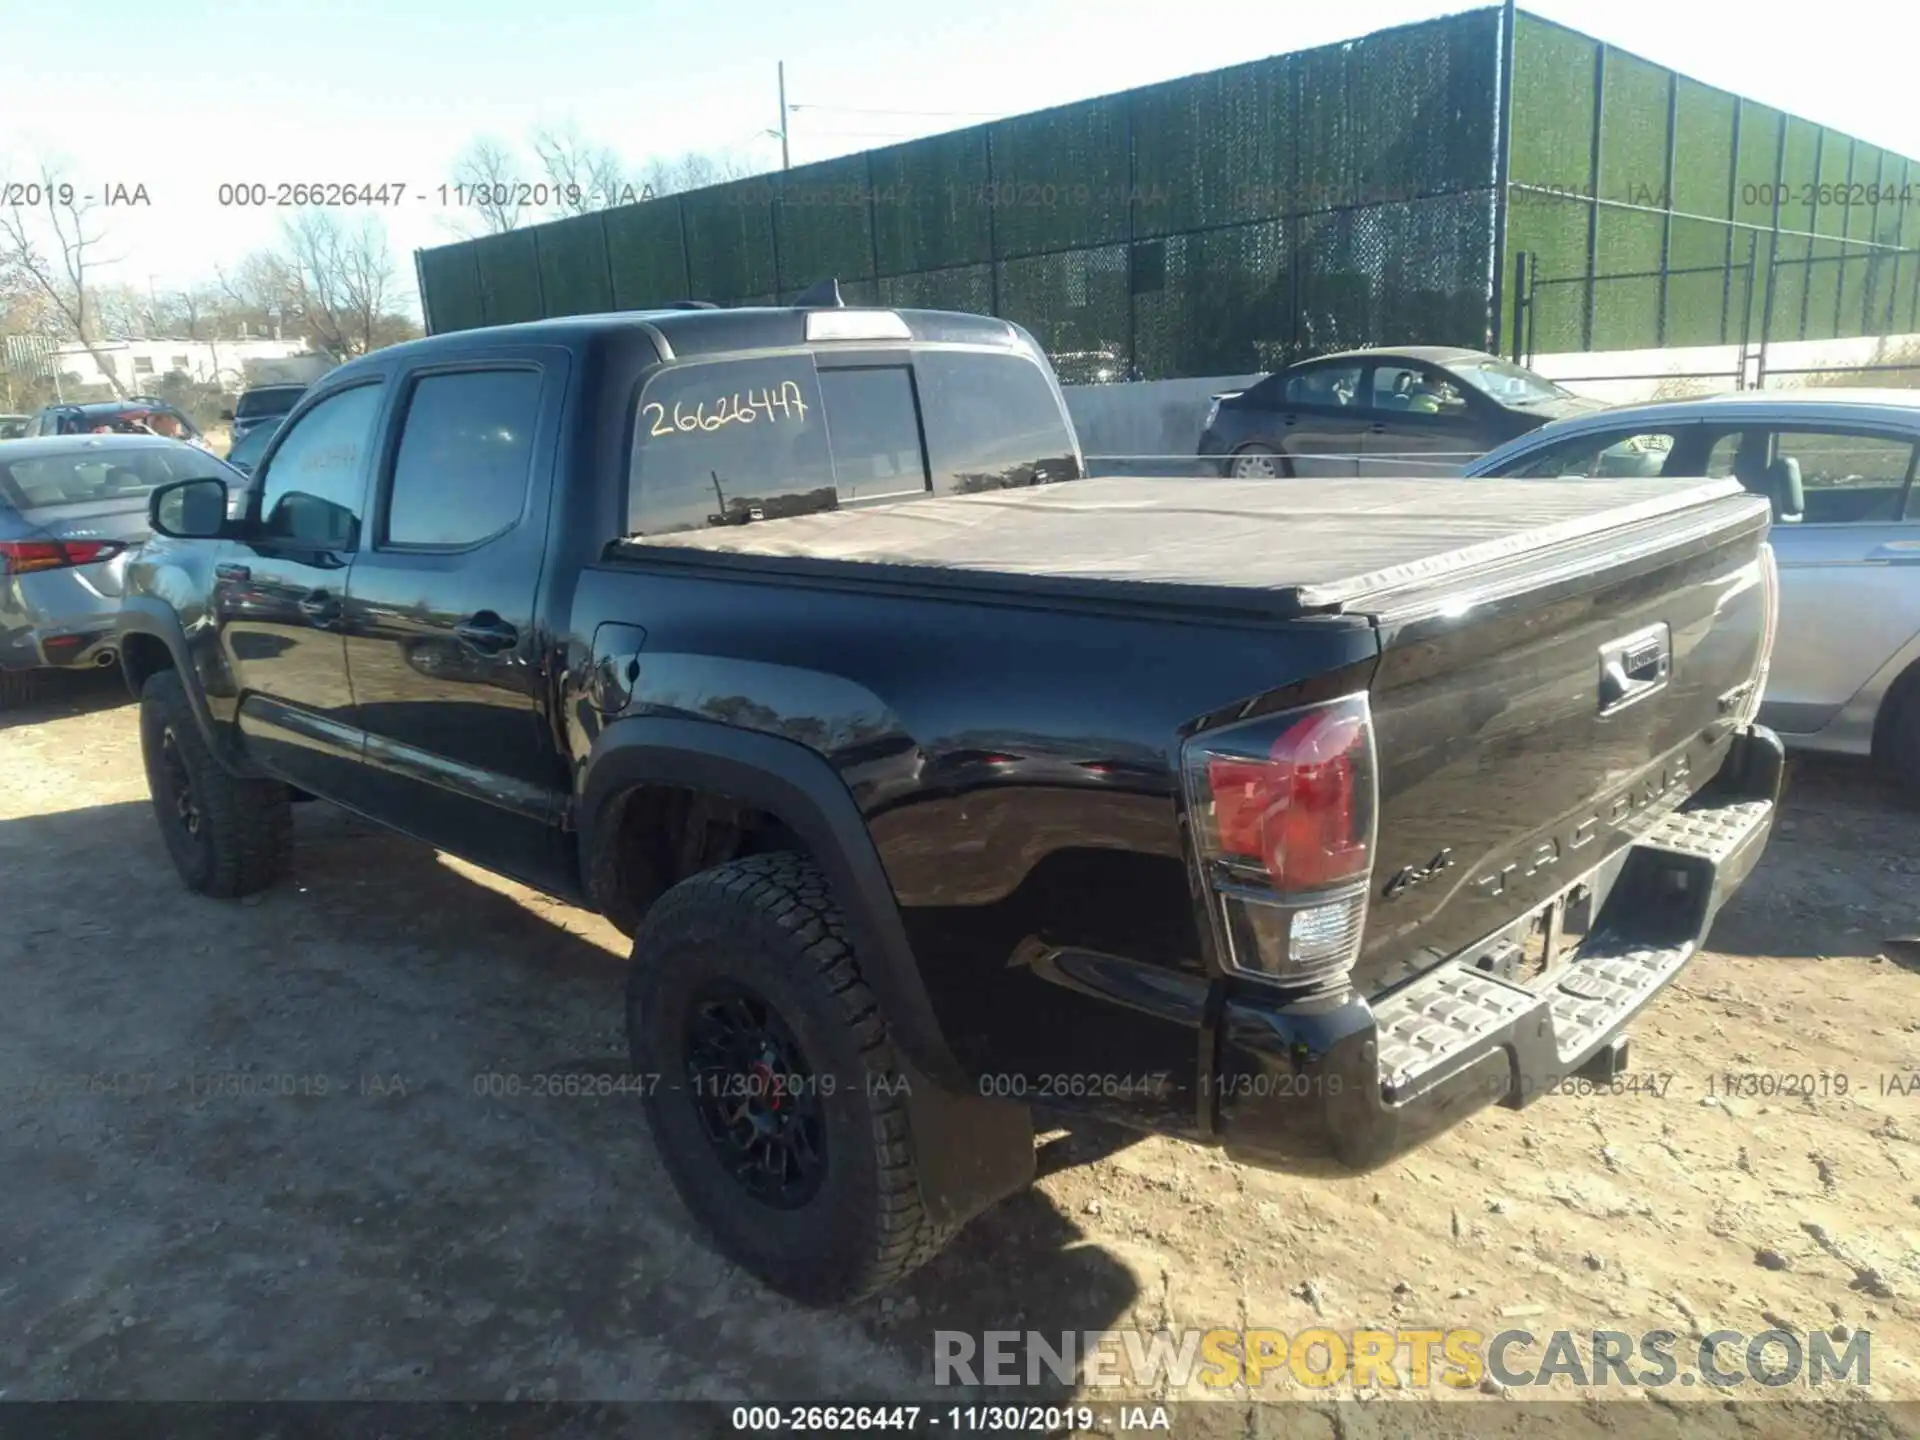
(1415, 874)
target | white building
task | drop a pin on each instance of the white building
(140, 365)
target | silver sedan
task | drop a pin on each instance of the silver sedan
(71, 508)
(1838, 465)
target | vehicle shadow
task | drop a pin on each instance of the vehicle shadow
(69, 692)
(429, 1227)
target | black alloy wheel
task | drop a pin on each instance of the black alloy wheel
(758, 1100)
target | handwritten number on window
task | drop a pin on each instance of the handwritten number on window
(784, 403)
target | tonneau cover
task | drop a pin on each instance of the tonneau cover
(1318, 542)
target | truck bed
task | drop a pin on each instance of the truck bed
(1278, 546)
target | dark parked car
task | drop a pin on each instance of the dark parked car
(261, 405)
(135, 415)
(1414, 410)
(932, 789)
(71, 507)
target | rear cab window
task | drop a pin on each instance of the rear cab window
(732, 441)
(271, 400)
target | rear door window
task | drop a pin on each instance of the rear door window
(465, 460)
(1330, 387)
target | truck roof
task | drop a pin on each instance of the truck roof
(689, 333)
(1278, 546)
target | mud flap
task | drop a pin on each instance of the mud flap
(970, 1151)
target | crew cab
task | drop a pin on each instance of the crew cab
(936, 782)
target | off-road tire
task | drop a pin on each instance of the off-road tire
(242, 836)
(769, 923)
(18, 687)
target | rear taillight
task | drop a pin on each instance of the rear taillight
(21, 557)
(1283, 819)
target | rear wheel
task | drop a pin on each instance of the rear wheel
(227, 836)
(18, 687)
(1897, 738)
(774, 1094)
(1259, 462)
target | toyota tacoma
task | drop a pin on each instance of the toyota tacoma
(936, 782)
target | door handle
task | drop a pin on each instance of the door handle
(487, 633)
(1897, 552)
(321, 606)
(1378, 427)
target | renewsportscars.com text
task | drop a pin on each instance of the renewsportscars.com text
(1406, 1358)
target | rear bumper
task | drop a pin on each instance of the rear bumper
(1358, 1083)
(55, 620)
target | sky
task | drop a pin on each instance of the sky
(273, 92)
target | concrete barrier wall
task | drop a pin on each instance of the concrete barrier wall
(1146, 419)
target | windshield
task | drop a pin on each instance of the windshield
(1508, 383)
(248, 448)
(78, 477)
(272, 400)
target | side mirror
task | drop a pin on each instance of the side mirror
(189, 510)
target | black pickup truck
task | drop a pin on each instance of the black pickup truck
(936, 782)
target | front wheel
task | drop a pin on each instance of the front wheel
(1259, 462)
(774, 1094)
(227, 836)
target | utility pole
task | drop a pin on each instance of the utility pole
(785, 162)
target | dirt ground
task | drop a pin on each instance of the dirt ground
(191, 1234)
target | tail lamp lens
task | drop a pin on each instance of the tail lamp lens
(22, 557)
(1283, 819)
(1304, 810)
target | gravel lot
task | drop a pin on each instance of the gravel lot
(401, 1237)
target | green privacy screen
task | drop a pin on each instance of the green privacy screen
(1645, 209)
(1234, 221)
(1225, 222)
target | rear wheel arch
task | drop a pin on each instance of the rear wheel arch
(1896, 729)
(803, 805)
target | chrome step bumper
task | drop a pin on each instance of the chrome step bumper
(1446, 1020)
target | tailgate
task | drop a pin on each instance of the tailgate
(1537, 710)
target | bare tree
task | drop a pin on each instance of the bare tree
(63, 277)
(692, 171)
(339, 277)
(488, 185)
(588, 176)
